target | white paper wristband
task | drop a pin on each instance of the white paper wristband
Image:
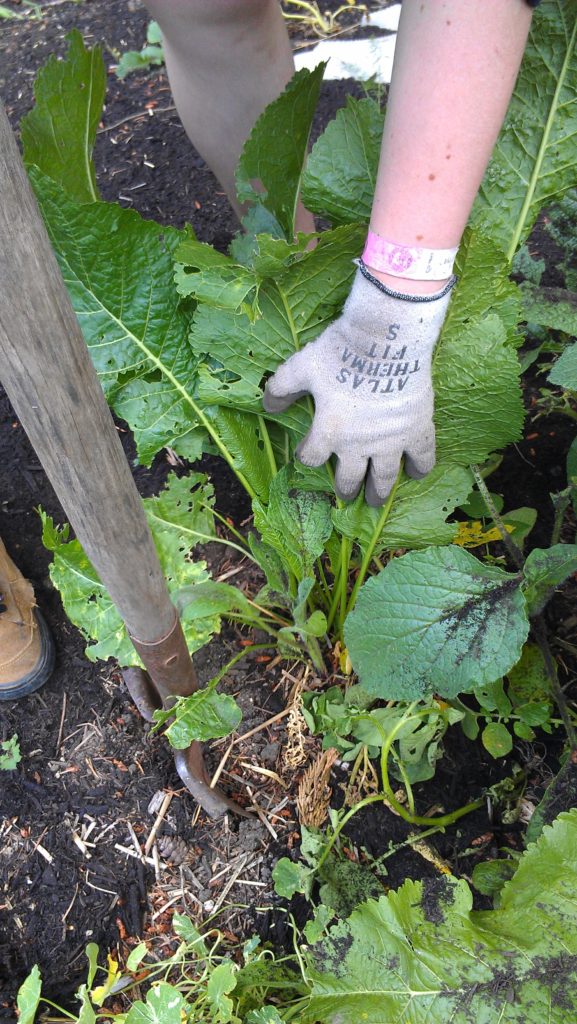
(412, 262)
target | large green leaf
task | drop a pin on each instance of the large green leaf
(436, 621)
(179, 518)
(422, 955)
(295, 307)
(275, 150)
(59, 132)
(341, 172)
(478, 404)
(296, 524)
(535, 159)
(483, 287)
(118, 269)
(418, 514)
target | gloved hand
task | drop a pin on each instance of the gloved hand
(370, 376)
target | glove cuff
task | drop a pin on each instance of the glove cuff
(401, 295)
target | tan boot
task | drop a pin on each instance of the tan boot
(26, 647)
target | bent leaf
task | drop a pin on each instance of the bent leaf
(478, 398)
(296, 524)
(244, 436)
(341, 172)
(435, 621)
(118, 269)
(483, 288)
(58, 134)
(279, 165)
(210, 276)
(423, 955)
(294, 307)
(205, 715)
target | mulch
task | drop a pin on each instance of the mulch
(76, 815)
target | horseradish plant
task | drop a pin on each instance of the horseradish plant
(420, 954)
(183, 337)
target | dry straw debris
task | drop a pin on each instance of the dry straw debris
(314, 792)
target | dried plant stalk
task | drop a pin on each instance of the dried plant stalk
(294, 753)
(314, 792)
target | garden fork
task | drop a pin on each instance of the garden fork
(46, 370)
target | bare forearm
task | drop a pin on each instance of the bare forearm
(456, 64)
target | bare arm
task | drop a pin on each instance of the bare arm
(456, 63)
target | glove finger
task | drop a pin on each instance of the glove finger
(382, 475)
(291, 381)
(273, 404)
(349, 476)
(316, 448)
(420, 458)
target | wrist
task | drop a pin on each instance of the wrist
(419, 270)
(410, 291)
(407, 285)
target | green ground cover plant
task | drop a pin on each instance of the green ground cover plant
(420, 954)
(183, 337)
(150, 55)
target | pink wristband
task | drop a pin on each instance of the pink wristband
(408, 261)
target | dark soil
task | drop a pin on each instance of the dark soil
(89, 768)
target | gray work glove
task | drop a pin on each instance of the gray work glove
(370, 376)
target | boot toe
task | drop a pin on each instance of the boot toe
(40, 672)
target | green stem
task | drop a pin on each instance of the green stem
(336, 595)
(267, 445)
(228, 525)
(388, 740)
(256, 623)
(198, 412)
(266, 611)
(69, 1016)
(561, 502)
(206, 537)
(368, 554)
(513, 549)
(389, 796)
(237, 657)
(323, 582)
(346, 548)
